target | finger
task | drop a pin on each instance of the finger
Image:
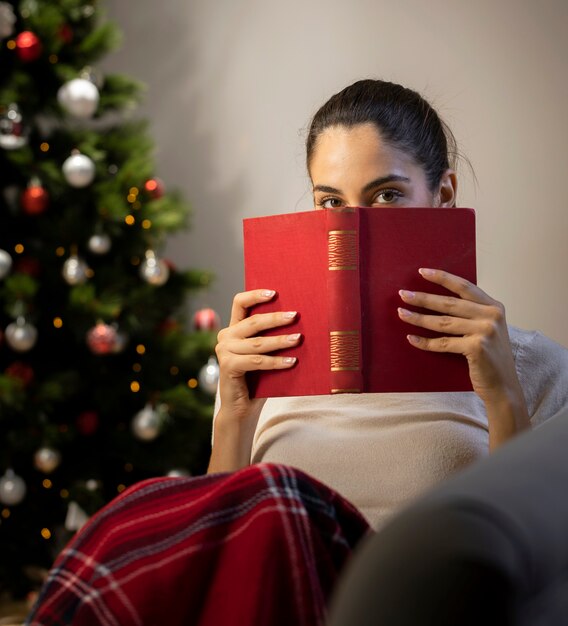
(256, 324)
(464, 288)
(456, 345)
(450, 305)
(237, 365)
(446, 324)
(263, 345)
(243, 301)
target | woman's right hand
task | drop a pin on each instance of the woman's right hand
(241, 349)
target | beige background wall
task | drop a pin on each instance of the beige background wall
(232, 85)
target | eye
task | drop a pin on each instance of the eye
(330, 202)
(388, 196)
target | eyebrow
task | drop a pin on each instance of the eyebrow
(391, 178)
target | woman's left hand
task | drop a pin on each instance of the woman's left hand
(473, 324)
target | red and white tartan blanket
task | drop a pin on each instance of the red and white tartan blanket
(261, 546)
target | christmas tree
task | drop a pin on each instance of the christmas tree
(102, 382)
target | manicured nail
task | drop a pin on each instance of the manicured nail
(289, 315)
(288, 360)
(267, 293)
(293, 338)
(424, 271)
(405, 312)
(413, 339)
(406, 295)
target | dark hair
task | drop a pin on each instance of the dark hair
(402, 116)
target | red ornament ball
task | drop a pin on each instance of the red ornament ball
(28, 46)
(21, 371)
(206, 319)
(167, 326)
(65, 33)
(102, 339)
(88, 423)
(154, 187)
(28, 265)
(34, 200)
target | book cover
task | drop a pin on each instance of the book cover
(342, 269)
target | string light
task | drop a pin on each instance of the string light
(6, 513)
(129, 219)
(60, 251)
(141, 348)
(146, 224)
(11, 44)
(192, 383)
(46, 533)
(120, 488)
(64, 493)
(137, 367)
(57, 322)
(131, 197)
(133, 191)
(174, 370)
(135, 260)
(44, 147)
(135, 386)
(18, 248)
(53, 58)
(47, 484)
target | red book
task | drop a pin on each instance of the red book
(342, 269)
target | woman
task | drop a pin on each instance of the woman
(264, 544)
(375, 144)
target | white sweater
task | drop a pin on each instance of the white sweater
(381, 450)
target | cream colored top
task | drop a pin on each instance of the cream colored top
(381, 450)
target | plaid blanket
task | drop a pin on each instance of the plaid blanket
(261, 546)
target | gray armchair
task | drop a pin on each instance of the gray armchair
(488, 547)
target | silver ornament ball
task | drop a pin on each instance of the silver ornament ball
(13, 133)
(79, 97)
(20, 335)
(209, 376)
(5, 264)
(74, 270)
(153, 270)
(7, 20)
(99, 244)
(178, 472)
(146, 424)
(79, 170)
(12, 488)
(47, 460)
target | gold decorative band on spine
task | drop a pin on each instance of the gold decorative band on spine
(342, 250)
(345, 391)
(344, 348)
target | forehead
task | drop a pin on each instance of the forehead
(356, 154)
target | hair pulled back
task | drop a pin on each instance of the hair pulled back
(402, 116)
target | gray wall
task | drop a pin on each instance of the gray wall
(233, 83)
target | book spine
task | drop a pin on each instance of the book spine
(344, 302)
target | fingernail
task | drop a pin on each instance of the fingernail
(289, 315)
(288, 360)
(293, 338)
(408, 295)
(426, 271)
(267, 293)
(413, 338)
(404, 312)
